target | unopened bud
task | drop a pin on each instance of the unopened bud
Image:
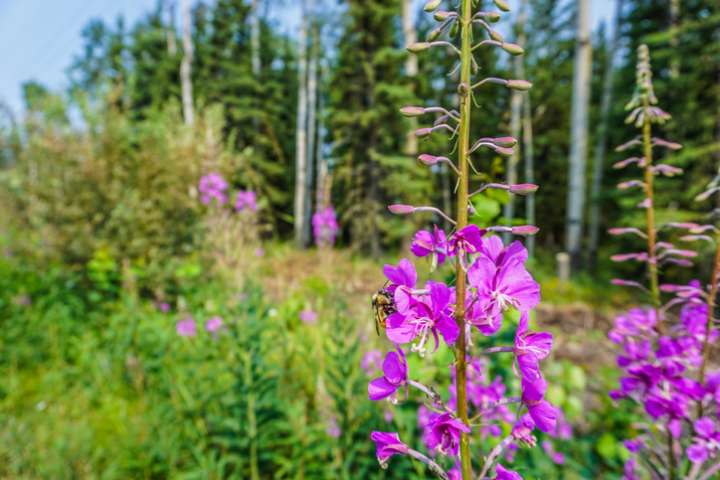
(411, 111)
(522, 85)
(418, 47)
(525, 230)
(463, 89)
(400, 209)
(429, 159)
(432, 5)
(504, 150)
(454, 29)
(523, 188)
(495, 35)
(504, 141)
(423, 132)
(442, 15)
(492, 17)
(502, 5)
(434, 34)
(513, 48)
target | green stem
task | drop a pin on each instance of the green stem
(712, 295)
(650, 211)
(462, 221)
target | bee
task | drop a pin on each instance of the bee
(383, 306)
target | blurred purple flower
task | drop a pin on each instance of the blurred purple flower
(213, 324)
(186, 327)
(308, 316)
(502, 473)
(245, 199)
(213, 187)
(325, 227)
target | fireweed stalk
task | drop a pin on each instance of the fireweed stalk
(665, 348)
(490, 280)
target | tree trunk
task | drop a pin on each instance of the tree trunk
(186, 65)
(516, 103)
(411, 69)
(312, 115)
(301, 133)
(255, 37)
(529, 156)
(601, 146)
(170, 31)
(578, 137)
(674, 53)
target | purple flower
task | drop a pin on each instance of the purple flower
(543, 414)
(435, 244)
(333, 429)
(325, 227)
(308, 316)
(421, 317)
(444, 434)
(387, 444)
(371, 361)
(395, 376)
(185, 327)
(500, 281)
(245, 199)
(164, 307)
(212, 187)
(213, 324)
(404, 275)
(629, 470)
(707, 440)
(698, 452)
(502, 473)
(557, 457)
(530, 347)
(522, 430)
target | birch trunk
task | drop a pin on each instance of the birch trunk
(411, 69)
(674, 20)
(529, 157)
(255, 37)
(516, 104)
(312, 115)
(186, 65)
(578, 137)
(601, 146)
(170, 31)
(301, 133)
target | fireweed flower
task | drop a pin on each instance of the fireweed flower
(371, 362)
(325, 227)
(464, 242)
(444, 434)
(213, 187)
(421, 318)
(387, 444)
(530, 348)
(213, 324)
(435, 244)
(308, 316)
(502, 473)
(395, 376)
(245, 200)
(500, 282)
(185, 327)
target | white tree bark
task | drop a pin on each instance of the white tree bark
(322, 189)
(516, 104)
(186, 65)
(312, 116)
(674, 20)
(601, 146)
(255, 37)
(301, 133)
(411, 68)
(578, 137)
(529, 156)
(170, 32)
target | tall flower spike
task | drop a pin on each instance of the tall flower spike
(490, 278)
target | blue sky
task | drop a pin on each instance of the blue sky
(40, 37)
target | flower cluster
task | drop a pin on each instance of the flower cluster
(490, 283)
(325, 227)
(214, 187)
(664, 346)
(187, 328)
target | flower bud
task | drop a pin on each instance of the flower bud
(423, 132)
(525, 230)
(523, 188)
(522, 85)
(495, 35)
(502, 5)
(400, 209)
(432, 5)
(504, 150)
(442, 15)
(513, 48)
(418, 47)
(430, 159)
(504, 141)
(454, 29)
(411, 111)
(434, 34)
(492, 17)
